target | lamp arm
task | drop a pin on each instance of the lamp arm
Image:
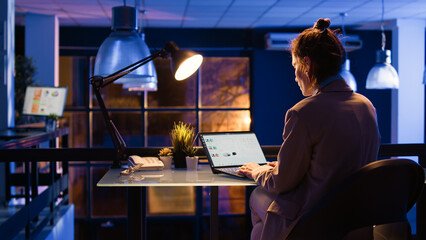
(126, 70)
(118, 141)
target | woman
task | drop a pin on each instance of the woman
(326, 136)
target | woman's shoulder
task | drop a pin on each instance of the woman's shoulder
(363, 98)
(330, 102)
(307, 103)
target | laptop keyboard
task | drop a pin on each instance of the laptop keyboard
(233, 171)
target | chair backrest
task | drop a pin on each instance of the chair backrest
(378, 193)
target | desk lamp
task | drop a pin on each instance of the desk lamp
(183, 64)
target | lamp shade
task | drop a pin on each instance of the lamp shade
(347, 75)
(184, 62)
(383, 75)
(123, 47)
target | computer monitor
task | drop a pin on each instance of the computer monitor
(44, 101)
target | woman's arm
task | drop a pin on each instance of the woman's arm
(293, 158)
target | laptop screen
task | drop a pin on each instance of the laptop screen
(232, 148)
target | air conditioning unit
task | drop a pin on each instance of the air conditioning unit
(279, 41)
(351, 42)
(282, 41)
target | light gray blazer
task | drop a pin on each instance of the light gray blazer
(326, 137)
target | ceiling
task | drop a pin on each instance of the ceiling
(226, 13)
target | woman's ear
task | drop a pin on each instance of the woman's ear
(309, 67)
(307, 61)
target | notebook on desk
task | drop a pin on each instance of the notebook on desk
(227, 151)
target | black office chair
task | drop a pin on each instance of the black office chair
(379, 193)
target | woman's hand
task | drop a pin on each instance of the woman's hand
(247, 169)
(272, 164)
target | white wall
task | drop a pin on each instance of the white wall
(408, 49)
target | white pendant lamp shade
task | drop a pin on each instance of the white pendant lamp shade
(383, 75)
(123, 47)
(347, 75)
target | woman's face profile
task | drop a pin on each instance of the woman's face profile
(302, 78)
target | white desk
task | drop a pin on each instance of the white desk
(137, 182)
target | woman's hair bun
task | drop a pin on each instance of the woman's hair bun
(322, 24)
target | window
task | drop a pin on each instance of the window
(217, 98)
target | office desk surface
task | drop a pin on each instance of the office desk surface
(138, 181)
(172, 178)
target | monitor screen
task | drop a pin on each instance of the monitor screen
(43, 101)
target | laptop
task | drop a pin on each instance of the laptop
(227, 151)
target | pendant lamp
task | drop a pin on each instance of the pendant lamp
(347, 75)
(123, 47)
(345, 71)
(383, 75)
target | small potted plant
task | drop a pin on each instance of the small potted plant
(182, 136)
(51, 120)
(191, 159)
(166, 155)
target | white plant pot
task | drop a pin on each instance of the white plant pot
(191, 163)
(50, 125)
(167, 160)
